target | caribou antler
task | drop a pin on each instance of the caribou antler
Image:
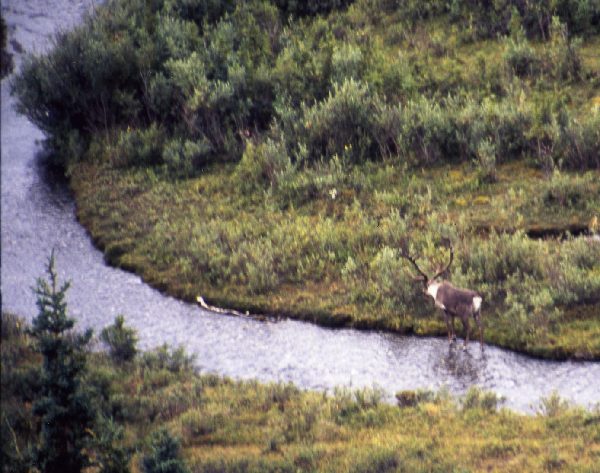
(442, 271)
(404, 254)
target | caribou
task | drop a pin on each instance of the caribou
(454, 301)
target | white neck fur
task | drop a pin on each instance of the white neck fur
(432, 289)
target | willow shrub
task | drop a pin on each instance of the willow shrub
(310, 7)
(428, 132)
(563, 190)
(263, 165)
(137, 147)
(576, 277)
(392, 284)
(200, 11)
(581, 143)
(560, 59)
(90, 81)
(520, 57)
(342, 123)
(184, 157)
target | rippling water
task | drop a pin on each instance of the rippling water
(38, 214)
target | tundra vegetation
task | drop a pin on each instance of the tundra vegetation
(273, 156)
(66, 408)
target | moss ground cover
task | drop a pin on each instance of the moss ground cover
(273, 158)
(228, 426)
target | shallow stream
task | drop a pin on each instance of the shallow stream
(38, 214)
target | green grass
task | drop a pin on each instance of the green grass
(228, 425)
(257, 252)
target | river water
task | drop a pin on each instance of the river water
(38, 214)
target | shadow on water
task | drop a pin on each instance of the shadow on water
(51, 189)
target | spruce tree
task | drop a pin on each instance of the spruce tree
(65, 407)
(164, 455)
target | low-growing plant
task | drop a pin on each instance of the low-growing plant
(121, 340)
(183, 157)
(164, 455)
(165, 358)
(486, 160)
(412, 398)
(563, 190)
(520, 57)
(381, 460)
(553, 405)
(264, 165)
(476, 398)
(138, 147)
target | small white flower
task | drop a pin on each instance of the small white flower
(333, 193)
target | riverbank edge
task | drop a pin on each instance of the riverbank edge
(356, 423)
(262, 311)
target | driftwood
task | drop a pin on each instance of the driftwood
(219, 310)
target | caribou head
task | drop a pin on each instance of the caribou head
(454, 301)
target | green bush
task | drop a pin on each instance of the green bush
(172, 360)
(565, 62)
(486, 160)
(380, 460)
(184, 157)
(263, 165)
(138, 147)
(342, 124)
(428, 132)
(581, 143)
(520, 58)
(575, 278)
(413, 398)
(321, 180)
(553, 406)
(476, 398)
(394, 285)
(164, 456)
(487, 20)
(310, 7)
(200, 11)
(90, 81)
(121, 340)
(255, 262)
(347, 62)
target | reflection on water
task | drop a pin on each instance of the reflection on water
(38, 214)
(464, 366)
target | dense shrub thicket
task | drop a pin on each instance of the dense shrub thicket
(179, 84)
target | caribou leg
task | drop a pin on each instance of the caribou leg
(449, 325)
(477, 317)
(465, 323)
